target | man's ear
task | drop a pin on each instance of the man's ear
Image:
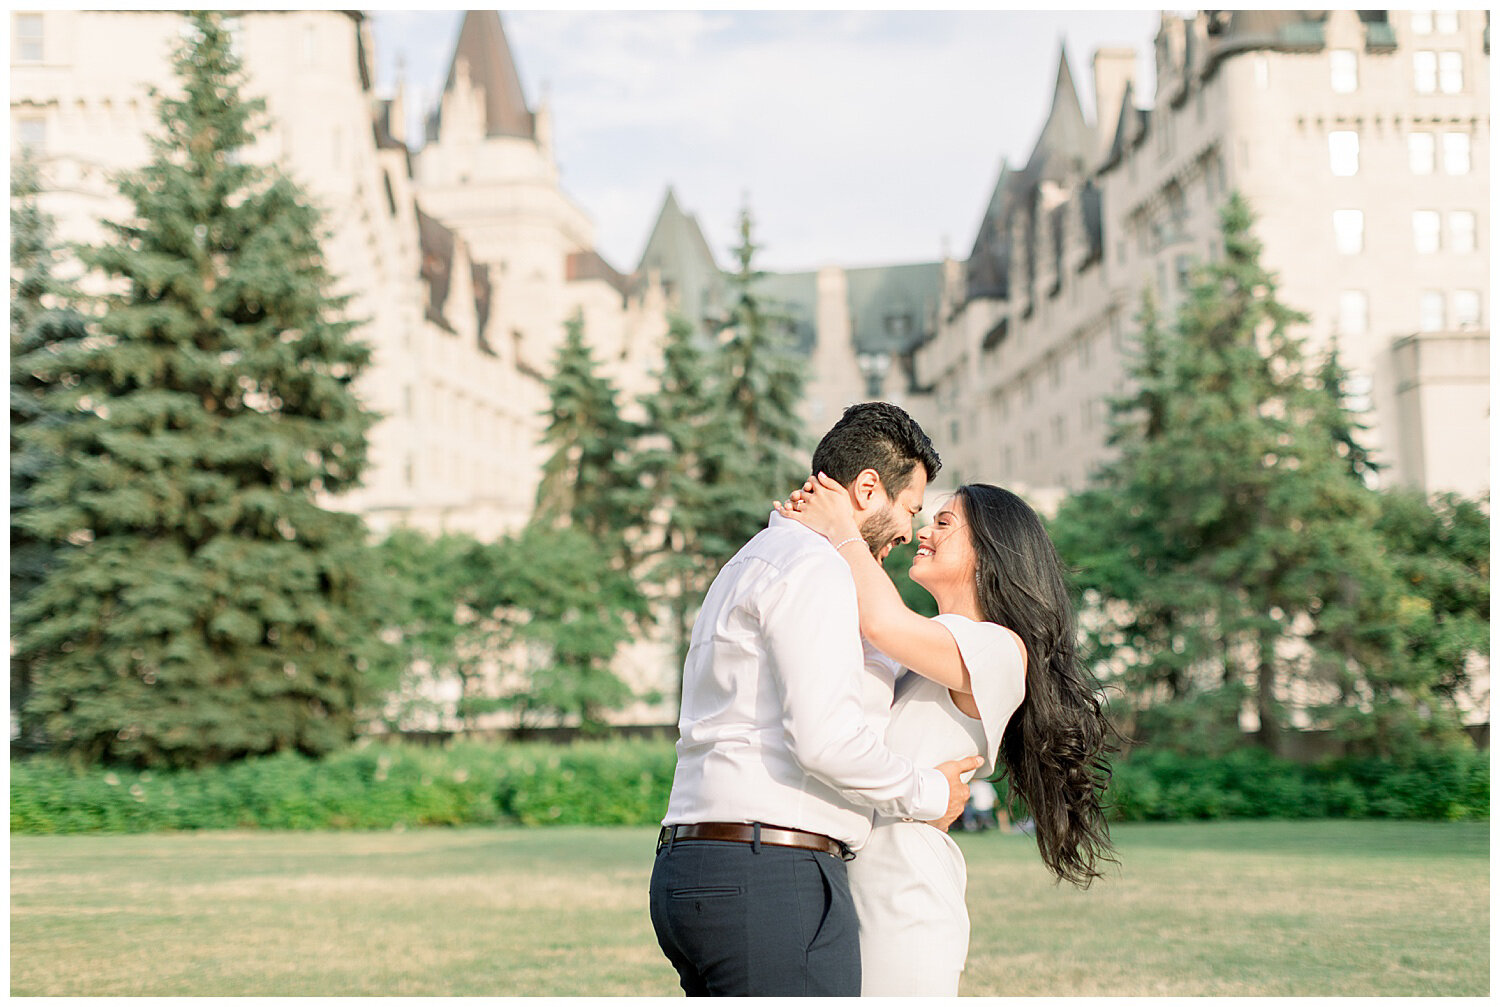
(864, 488)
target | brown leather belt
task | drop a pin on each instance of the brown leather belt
(739, 832)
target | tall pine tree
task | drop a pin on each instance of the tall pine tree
(212, 609)
(565, 592)
(42, 317)
(1229, 550)
(682, 462)
(587, 480)
(761, 382)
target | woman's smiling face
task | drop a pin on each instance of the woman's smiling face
(945, 556)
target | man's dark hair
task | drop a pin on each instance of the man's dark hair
(879, 436)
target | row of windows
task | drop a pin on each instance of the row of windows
(1426, 226)
(1436, 311)
(1421, 152)
(1433, 71)
(1430, 22)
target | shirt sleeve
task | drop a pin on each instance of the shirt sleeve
(809, 621)
(996, 676)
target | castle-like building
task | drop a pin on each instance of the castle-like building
(464, 258)
(1361, 140)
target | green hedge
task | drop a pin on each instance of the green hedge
(370, 786)
(627, 782)
(1440, 783)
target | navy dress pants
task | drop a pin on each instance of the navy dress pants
(740, 920)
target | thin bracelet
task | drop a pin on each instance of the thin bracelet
(857, 538)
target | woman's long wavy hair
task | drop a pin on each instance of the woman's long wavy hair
(1057, 744)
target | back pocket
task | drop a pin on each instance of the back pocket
(709, 892)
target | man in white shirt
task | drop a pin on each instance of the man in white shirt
(780, 762)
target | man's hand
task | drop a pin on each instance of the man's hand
(958, 790)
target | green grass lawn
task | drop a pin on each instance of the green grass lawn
(1330, 908)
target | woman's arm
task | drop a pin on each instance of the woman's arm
(915, 641)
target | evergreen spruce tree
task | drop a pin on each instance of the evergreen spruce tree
(1228, 549)
(682, 463)
(565, 587)
(41, 317)
(212, 609)
(761, 383)
(587, 480)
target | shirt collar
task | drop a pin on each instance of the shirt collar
(777, 521)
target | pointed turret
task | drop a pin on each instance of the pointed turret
(988, 269)
(485, 55)
(1066, 141)
(682, 260)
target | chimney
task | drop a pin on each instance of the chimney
(1114, 67)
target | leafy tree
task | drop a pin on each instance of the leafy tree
(213, 609)
(431, 591)
(41, 316)
(1439, 549)
(564, 610)
(761, 381)
(1226, 555)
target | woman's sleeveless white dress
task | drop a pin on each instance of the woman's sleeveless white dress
(908, 880)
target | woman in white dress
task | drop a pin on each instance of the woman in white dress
(995, 674)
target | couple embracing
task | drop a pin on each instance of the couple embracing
(828, 732)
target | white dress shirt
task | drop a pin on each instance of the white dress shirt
(781, 723)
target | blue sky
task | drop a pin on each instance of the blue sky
(858, 137)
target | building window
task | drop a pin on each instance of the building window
(1354, 313)
(1183, 264)
(1461, 231)
(1421, 22)
(1009, 462)
(1450, 72)
(1349, 231)
(1424, 71)
(1431, 311)
(1059, 430)
(1031, 446)
(1420, 151)
(1456, 153)
(31, 133)
(1343, 152)
(29, 38)
(1425, 226)
(1466, 309)
(1344, 71)
(1445, 22)
(310, 45)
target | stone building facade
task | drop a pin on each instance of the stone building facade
(464, 259)
(1360, 139)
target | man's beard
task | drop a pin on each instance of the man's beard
(880, 532)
